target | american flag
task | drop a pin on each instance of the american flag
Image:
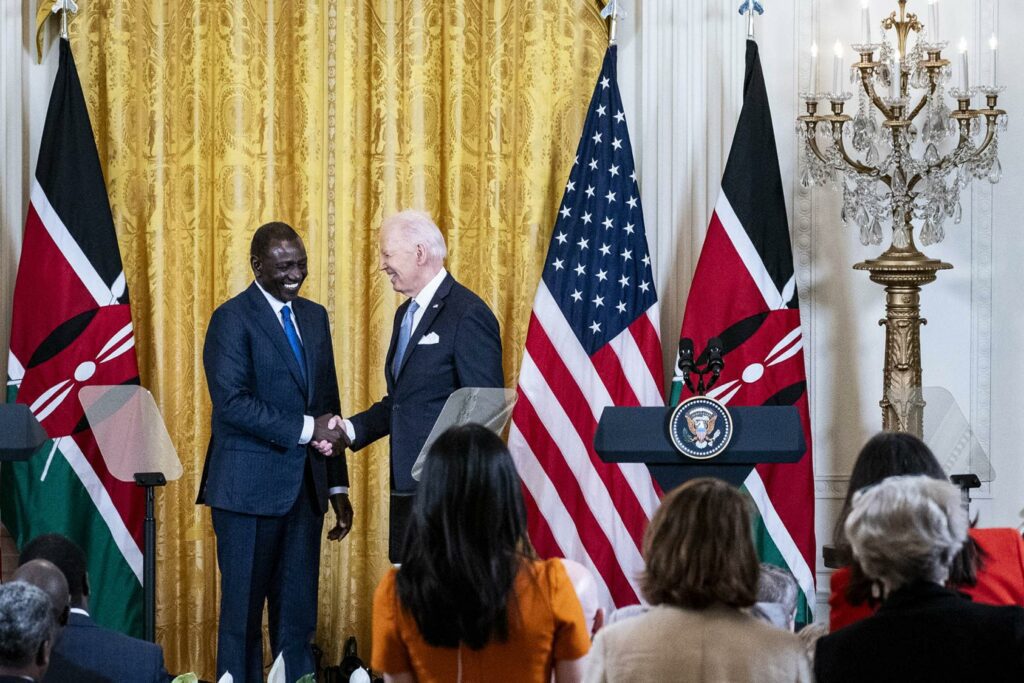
(592, 342)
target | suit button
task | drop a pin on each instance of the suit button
(395, 408)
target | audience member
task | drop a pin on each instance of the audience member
(45, 575)
(26, 632)
(777, 592)
(904, 534)
(701, 571)
(470, 601)
(83, 642)
(989, 568)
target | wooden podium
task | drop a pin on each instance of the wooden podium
(762, 434)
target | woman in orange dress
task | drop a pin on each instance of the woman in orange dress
(470, 602)
(989, 569)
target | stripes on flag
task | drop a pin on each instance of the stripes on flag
(592, 342)
(744, 291)
(71, 327)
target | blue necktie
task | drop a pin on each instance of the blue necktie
(293, 339)
(404, 333)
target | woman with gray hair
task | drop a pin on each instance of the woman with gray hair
(904, 534)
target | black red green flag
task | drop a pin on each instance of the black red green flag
(72, 327)
(744, 291)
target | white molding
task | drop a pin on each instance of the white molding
(831, 487)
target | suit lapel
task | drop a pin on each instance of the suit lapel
(389, 376)
(429, 315)
(270, 325)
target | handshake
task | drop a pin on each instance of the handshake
(329, 435)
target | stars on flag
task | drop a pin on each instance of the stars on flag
(604, 288)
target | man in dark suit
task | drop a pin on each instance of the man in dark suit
(444, 337)
(85, 651)
(269, 366)
(26, 632)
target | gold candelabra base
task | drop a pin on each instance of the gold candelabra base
(902, 272)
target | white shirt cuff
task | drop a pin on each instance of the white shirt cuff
(337, 489)
(307, 430)
(350, 431)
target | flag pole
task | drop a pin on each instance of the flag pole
(64, 7)
(612, 11)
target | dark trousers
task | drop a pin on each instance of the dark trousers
(274, 560)
(398, 521)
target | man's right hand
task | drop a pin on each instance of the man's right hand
(328, 428)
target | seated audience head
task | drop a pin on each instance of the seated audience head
(69, 559)
(777, 592)
(698, 549)
(586, 590)
(45, 575)
(466, 540)
(906, 529)
(26, 630)
(893, 454)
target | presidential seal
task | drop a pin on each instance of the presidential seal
(700, 427)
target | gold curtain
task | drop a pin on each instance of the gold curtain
(213, 117)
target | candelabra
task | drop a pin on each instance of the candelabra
(901, 177)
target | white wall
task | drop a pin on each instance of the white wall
(681, 72)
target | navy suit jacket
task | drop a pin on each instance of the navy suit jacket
(254, 463)
(924, 632)
(467, 354)
(110, 655)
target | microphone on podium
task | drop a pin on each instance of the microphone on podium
(715, 362)
(686, 364)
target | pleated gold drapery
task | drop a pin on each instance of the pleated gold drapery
(212, 117)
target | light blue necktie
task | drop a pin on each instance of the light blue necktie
(404, 332)
(293, 339)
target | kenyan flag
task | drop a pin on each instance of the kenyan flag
(744, 291)
(72, 327)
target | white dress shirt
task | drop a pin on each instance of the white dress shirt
(277, 305)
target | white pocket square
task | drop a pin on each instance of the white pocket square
(431, 338)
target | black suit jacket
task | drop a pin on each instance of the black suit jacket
(467, 353)
(85, 651)
(254, 464)
(924, 632)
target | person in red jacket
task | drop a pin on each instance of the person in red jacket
(989, 569)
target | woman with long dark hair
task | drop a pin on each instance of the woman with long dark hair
(989, 568)
(470, 600)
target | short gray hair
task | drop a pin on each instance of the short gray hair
(418, 227)
(906, 529)
(26, 623)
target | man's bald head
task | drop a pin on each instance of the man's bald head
(45, 575)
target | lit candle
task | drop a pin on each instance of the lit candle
(837, 68)
(814, 68)
(964, 80)
(933, 18)
(895, 78)
(993, 45)
(865, 22)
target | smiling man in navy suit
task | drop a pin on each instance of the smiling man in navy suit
(444, 338)
(270, 369)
